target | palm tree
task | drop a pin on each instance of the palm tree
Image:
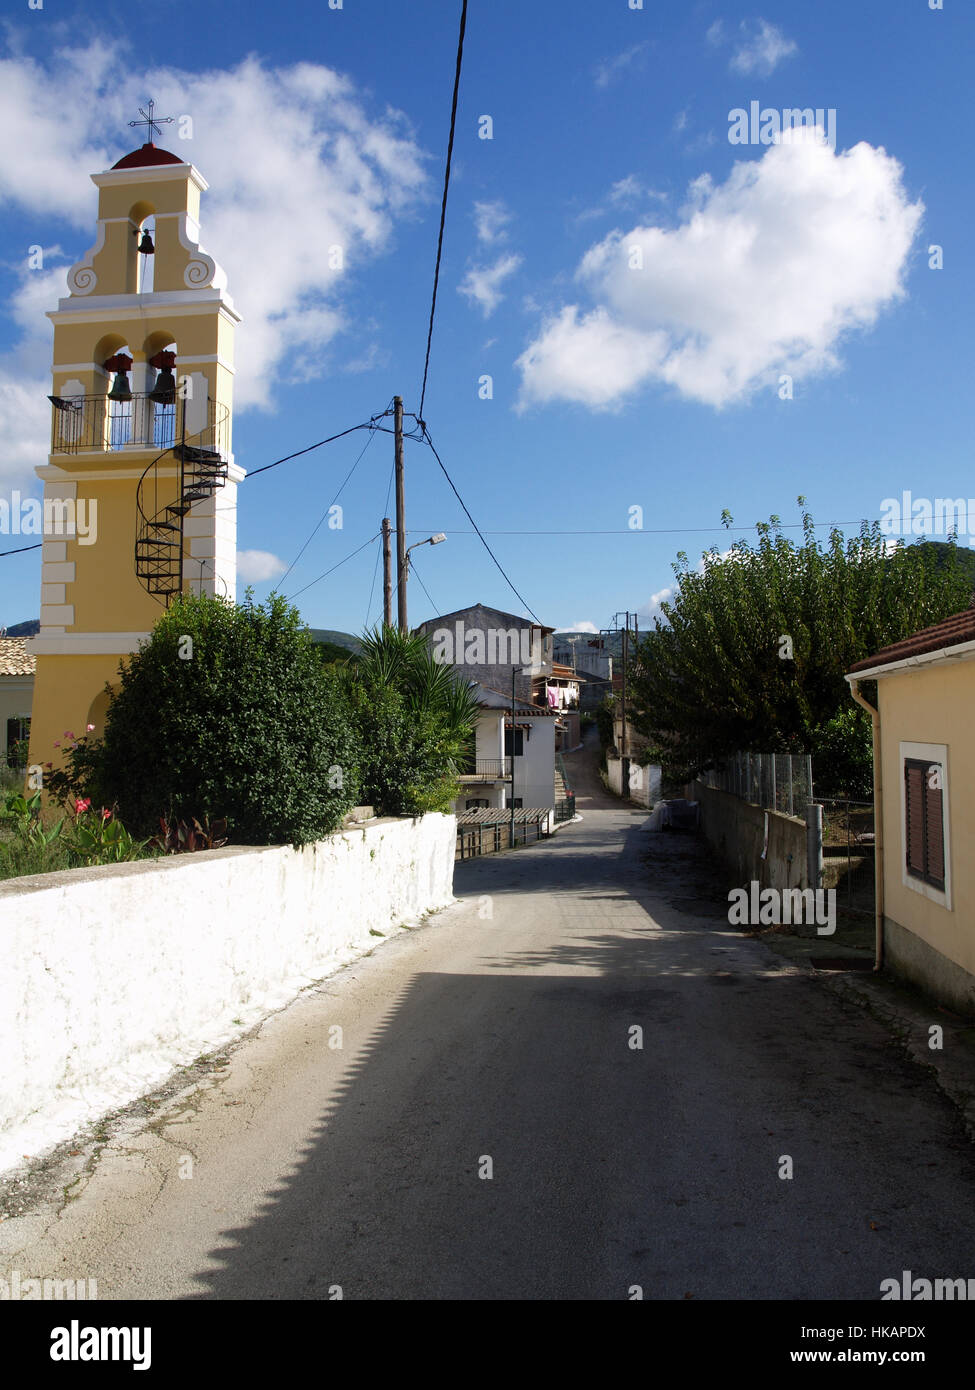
(416, 720)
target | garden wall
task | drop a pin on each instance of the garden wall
(114, 976)
(735, 830)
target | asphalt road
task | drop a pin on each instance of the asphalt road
(502, 1031)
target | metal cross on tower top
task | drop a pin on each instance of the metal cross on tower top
(153, 122)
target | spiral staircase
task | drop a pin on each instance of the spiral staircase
(201, 471)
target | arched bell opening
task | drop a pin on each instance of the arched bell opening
(142, 250)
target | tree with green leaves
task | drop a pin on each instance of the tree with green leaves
(227, 711)
(414, 721)
(751, 651)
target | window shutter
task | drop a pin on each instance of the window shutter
(934, 836)
(914, 816)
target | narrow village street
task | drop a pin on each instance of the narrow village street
(489, 1130)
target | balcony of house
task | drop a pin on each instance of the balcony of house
(485, 770)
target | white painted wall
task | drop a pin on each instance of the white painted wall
(645, 782)
(535, 770)
(114, 976)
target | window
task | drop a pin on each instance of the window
(18, 734)
(476, 803)
(516, 803)
(519, 743)
(924, 820)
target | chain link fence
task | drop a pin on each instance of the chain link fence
(774, 781)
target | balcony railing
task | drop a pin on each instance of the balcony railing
(97, 423)
(485, 769)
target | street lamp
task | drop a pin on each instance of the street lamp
(435, 539)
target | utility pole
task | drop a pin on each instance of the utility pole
(387, 574)
(624, 760)
(511, 830)
(401, 561)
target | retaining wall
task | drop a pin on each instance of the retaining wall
(114, 976)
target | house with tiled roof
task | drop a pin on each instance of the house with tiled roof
(16, 697)
(924, 793)
(524, 699)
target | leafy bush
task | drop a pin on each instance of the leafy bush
(226, 711)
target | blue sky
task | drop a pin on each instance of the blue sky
(615, 385)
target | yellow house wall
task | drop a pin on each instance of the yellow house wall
(67, 690)
(933, 705)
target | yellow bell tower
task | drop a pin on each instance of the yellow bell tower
(140, 491)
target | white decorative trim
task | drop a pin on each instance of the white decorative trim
(79, 367)
(201, 269)
(52, 595)
(56, 572)
(135, 306)
(81, 277)
(100, 475)
(932, 753)
(85, 643)
(57, 614)
(206, 357)
(150, 173)
(53, 553)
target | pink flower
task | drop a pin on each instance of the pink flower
(67, 734)
(82, 804)
(106, 815)
(57, 743)
(89, 727)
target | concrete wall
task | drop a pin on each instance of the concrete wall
(735, 830)
(930, 937)
(116, 975)
(645, 782)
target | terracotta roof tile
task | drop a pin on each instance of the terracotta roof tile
(952, 632)
(14, 657)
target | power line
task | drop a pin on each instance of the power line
(416, 572)
(21, 550)
(331, 504)
(350, 556)
(652, 531)
(367, 425)
(443, 205)
(477, 529)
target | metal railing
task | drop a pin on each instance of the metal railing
(484, 769)
(100, 424)
(565, 804)
(775, 781)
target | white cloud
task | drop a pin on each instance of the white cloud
(761, 49)
(482, 283)
(764, 274)
(649, 611)
(610, 68)
(491, 220)
(715, 34)
(583, 626)
(295, 161)
(25, 380)
(258, 566)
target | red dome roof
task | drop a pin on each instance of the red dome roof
(149, 154)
